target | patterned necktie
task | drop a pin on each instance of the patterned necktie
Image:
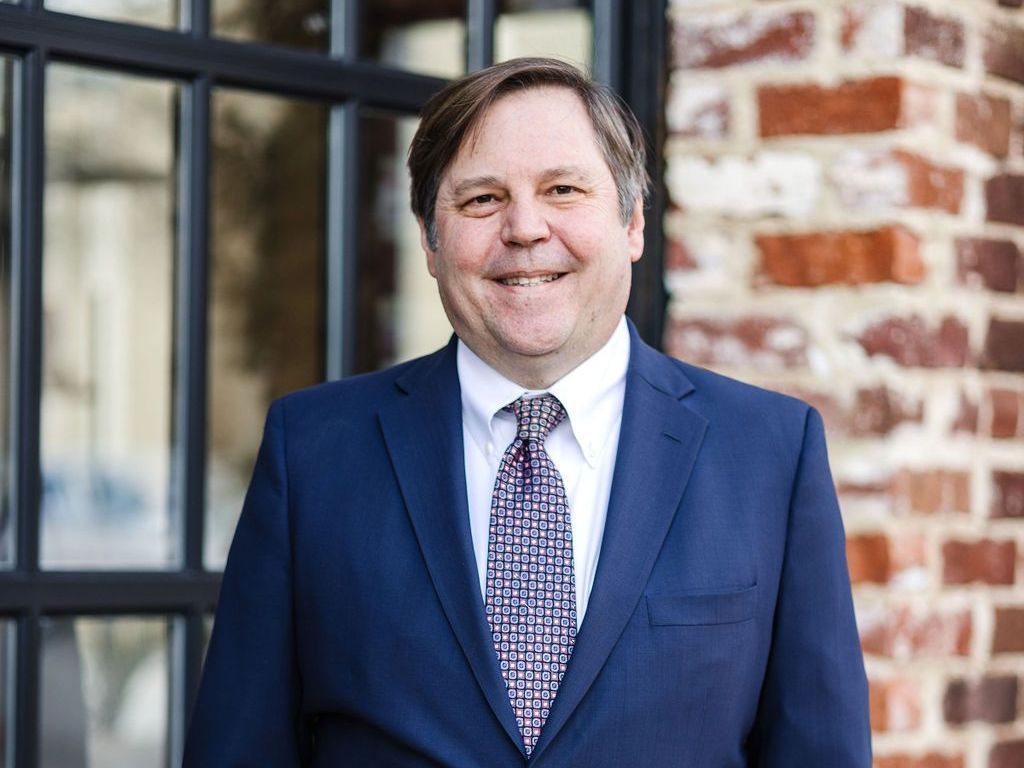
(531, 589)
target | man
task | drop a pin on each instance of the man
(547, 542)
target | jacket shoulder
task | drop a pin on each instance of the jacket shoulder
(354, 397)
(752, 410)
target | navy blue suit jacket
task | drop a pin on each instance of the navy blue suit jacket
(720, 630)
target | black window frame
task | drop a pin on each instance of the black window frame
(629, 55)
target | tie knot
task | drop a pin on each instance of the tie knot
(537, 416)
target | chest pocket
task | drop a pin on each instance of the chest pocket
(702, 608)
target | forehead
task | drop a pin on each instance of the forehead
(544, 126)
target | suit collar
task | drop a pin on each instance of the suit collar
(659, 371)
(658, 445)
(423, 435)
(591, 393)
(644, 361)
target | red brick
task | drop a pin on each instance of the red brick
(895, 705)
(1008, 496)
(907, 553)
(984, 121)
(763, 343)
(932, 492)
(929, 760)
(698, 110)
(854, 18)
(870, 179)
(967, 415)
(924, 34)
(903, 634)
(1005, 407)
(991, 699)
(867, 557)
(931, 185)
(910, 342)
(831, 412)
(879, 410)
(678, 256)
(1009, 631)
(1004, 51)
(747, 38)
(858, 106)
(1008, 754)
(993, 264)
(890, 254)
(984, 561)
(868, 488)
(1004, 195)
(939, 38)
(1004, 345)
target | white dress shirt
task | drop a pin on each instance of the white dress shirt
(583, 446)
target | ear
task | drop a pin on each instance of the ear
(430, 253)
(635, 230)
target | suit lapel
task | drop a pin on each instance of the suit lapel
(423, 433)
(658, 444)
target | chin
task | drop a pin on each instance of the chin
(537, 343)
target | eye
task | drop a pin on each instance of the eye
(484, 201)
(563, 189)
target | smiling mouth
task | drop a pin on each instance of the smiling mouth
(526, 282)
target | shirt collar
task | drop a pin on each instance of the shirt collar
(591, 393)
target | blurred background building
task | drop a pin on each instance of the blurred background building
(203, 205)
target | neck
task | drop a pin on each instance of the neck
(533, 376)
(537, 372)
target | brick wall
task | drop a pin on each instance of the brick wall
(847, 224)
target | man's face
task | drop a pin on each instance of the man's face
(532, 260)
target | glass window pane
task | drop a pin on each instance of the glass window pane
(6, 101)
(267, 317)
(560, 28)
(399, 312)
(153, 13)
(295, 23)
(427, 37)
(108, 278)
(104, 692)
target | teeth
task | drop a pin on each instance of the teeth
(527, 280)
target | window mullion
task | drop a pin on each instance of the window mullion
(480, 15)
(608, 44)
(346, 20)
(342, 238)
(196, 15)
(27, 249)
(191, 317)
(642, 73)
(190, 391)
(27, 680)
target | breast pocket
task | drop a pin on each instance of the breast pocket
(702, 608)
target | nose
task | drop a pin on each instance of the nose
(524, 224)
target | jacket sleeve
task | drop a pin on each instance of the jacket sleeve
(813, 709)
(247, 712)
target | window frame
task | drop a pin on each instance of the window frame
(629, 46)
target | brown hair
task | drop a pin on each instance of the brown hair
(451, 114)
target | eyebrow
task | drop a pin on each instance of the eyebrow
(572, 171)
(471, 183)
